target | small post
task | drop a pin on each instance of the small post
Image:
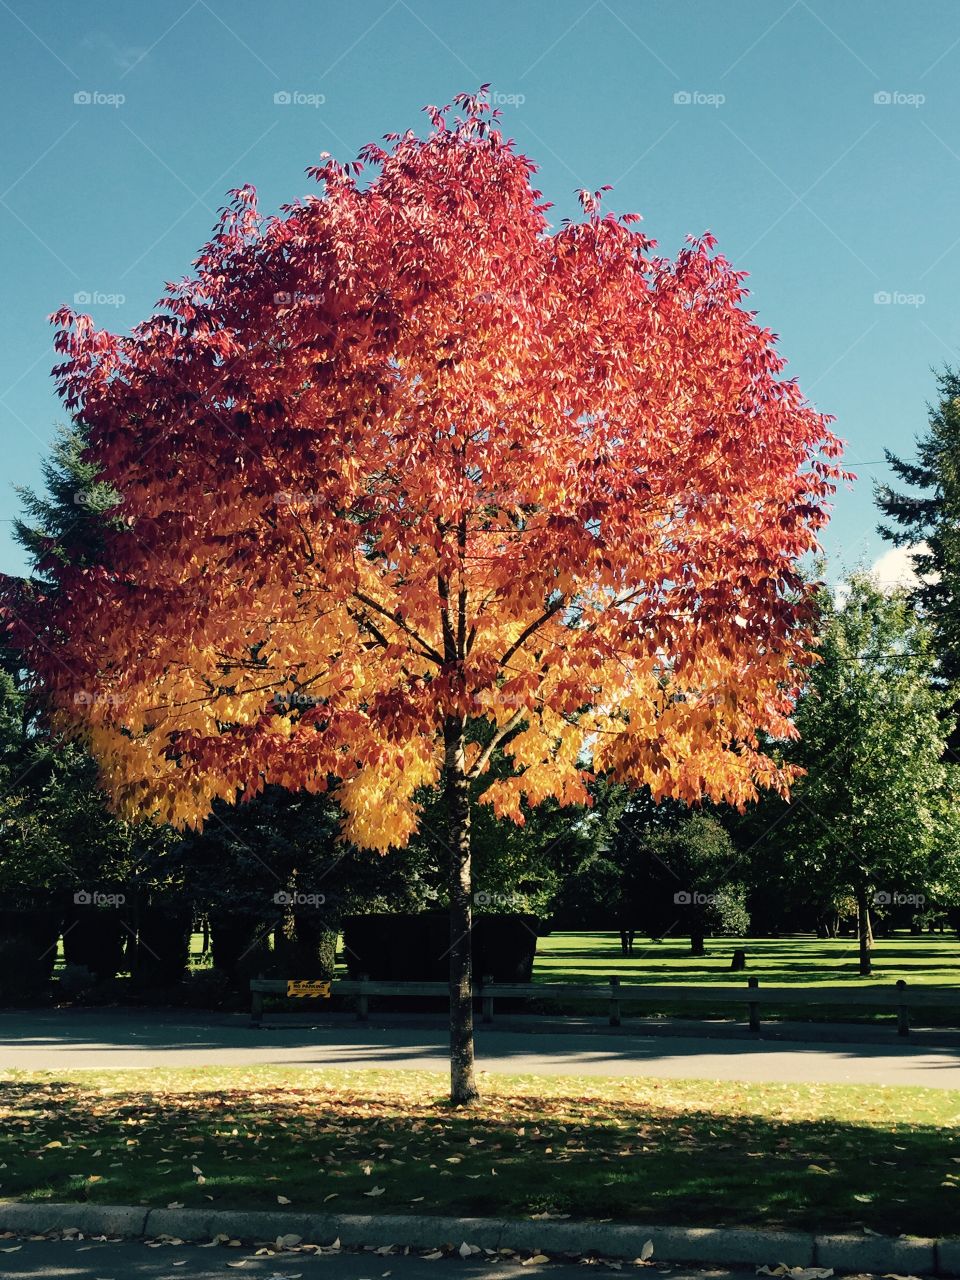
(903, 1009)
(753, 1006)
(363, 1008)
(487, 1002)
(738, 961)
(256, 1007)
(614, 1001)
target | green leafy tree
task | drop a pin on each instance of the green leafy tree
(693, 881)
(876, 812)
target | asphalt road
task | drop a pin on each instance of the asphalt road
(94, 1260)
(57, 1040)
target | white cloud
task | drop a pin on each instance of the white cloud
(895, 568)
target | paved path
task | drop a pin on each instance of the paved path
(58, 1040)
(93, 1260)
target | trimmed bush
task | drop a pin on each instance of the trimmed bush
(28, 950)
(415, 948)
(163, 944)
(93, 938)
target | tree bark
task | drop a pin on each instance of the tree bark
(864, 932)
(697, 947)
(463, 1085)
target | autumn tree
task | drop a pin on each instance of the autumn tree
(407, 477)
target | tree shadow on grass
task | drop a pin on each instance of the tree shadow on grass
(644, 1152)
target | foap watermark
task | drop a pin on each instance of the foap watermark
(98, 298)
(96, 98)
(96, 698)
(297, 98)
(883, 898)
(284, 299)
(895, 98)
(498, 99)
(694, 898)
(294, 700)
(294, 898)
(897, 298)
(94, 499)
(293, 500)
(498, 901)
(94, 898)
(697, 98)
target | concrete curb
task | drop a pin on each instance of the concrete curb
(731, 1246)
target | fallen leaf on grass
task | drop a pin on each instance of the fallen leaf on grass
(647, 1250)
(374, 1191)
(537, 1257)
(282, 1200)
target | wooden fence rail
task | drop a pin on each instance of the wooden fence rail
(900, 997)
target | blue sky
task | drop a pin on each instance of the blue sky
(818, 141)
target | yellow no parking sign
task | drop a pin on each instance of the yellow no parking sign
(308, 987)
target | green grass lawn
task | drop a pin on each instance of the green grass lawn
(695, 1152)
(802, 959)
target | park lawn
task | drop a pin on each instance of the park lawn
(800, 959)
(694, 1152)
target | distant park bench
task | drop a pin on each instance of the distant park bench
(898, 998)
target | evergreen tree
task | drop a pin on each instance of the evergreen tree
(931, 517)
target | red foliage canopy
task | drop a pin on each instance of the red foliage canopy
(404, 457)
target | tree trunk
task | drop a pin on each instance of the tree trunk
(697, 947)
(864, 932)
(463, 1085)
